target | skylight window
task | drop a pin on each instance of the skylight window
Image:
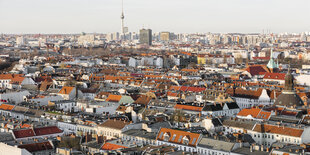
(180, 138)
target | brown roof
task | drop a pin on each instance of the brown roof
(34, 147)
(143, 99)
(115, 124)
(256, 69)
(281, 130)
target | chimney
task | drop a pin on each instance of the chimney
(99, 139)
(88, 138)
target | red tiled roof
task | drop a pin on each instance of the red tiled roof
(256, 69)
(23, 133)
(275, 76)
(253, 112)
(6, 107)
(172, 94)
(281, 130)
(66, 90)
(264, 115)
(188, 107)
(110, 146)
(176, 136)
(47, 130)
(196, 89)
(114, 98)
(35, 147)
(183, 88)
(176, 88)
(6, 76)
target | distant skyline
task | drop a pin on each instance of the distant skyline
(179, 16)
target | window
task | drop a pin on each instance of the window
(185, 140)
(166, 137)
(194, 140)
(180, 138)
(161, 135)
(173, 137)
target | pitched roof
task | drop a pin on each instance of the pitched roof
(66, 90)
(239, 123)
(47, 130)
(35, 147)
(23, 133)
(110, 146)
(239, 92)
(115, 124)
(177, 136)
(189, 70)
(143, 99)
(175, 88)
(275, 76)
(216, 144)
(188, 107)
(172, 94)
(253, 112)
(6, 76)
(281, 130)
(114, 98)
(256, 69)
(6, 107)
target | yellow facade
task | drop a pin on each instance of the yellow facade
(201, 60)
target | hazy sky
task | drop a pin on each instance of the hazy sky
(102, 16)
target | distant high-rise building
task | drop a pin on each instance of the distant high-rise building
(165, 36)
(146, 36)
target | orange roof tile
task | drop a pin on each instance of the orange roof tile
(110, 146)
(114, 98)
(176, 136)
(281, 130)
(6, 76)
(189, 70)
(6, 107)
(253, 112)
(188, 107)
(66, 90)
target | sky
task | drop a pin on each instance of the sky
(179, 16)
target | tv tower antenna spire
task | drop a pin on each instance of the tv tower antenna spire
(122, 17)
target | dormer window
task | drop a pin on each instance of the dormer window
(185, 140)
(166, 136)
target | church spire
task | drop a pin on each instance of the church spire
(289, 81)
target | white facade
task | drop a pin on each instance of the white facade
(16, 97)
(11, 150)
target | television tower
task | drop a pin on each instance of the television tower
(122, 18)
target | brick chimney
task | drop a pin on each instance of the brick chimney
(99, 139)
(88, 137)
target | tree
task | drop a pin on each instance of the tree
(71, 143)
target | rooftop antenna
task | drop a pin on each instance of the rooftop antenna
(122, 17)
